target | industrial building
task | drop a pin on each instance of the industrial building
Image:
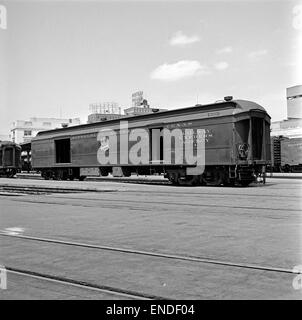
(140, 105)
(294, 102)
(292, 126)
(24, 130)
(103, 111)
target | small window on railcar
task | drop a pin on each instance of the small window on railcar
(243, 128)
(62, 150)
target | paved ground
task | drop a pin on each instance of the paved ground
(258, 225)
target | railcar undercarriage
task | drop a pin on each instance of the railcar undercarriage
(8, 172)
(221, 175)
(212, 175)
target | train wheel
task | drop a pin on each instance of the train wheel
(215, 178)
(104, 172)
(188, 180)
(245, 183)
(173, 178)
(229, 183)
(10, 173)
(46, 175)
(126, 172)
(64, 175)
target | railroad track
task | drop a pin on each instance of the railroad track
(119, 203)
(45, 190)
(17, 189)
(194, 259)
(112, 179)
(138, 180)
(121, 292)
(129, 294)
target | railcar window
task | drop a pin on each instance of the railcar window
(62, 151)
(1, 158)
(243, 128)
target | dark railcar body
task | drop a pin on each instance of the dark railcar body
(237, 145)
(10, 158)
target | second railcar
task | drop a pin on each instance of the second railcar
(237, 145)
(286, 154)
(10, 158)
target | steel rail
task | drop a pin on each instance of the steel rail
(84, 285)
(49, 202)
(156, 254)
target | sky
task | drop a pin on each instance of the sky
(57, 57)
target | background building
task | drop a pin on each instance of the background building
(4, 137)
(140, 105)
(23, 131)
(103, 111)
(110, 110)
(137, 111)
(294, 102)
(292, 126)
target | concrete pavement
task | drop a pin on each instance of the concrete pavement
(257, 225)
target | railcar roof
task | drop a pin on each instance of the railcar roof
(7, 143)
(238, 106)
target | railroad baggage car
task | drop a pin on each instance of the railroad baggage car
(236, 137)
(10, 158)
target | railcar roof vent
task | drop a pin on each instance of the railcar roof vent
(228, 98)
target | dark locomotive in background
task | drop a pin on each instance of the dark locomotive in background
(10, 158)
(238, 147)
(286, 154)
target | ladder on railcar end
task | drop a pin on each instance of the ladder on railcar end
(233, 172)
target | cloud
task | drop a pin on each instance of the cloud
(221, 65)
(257, 54)
(178, 70)
(181, 40)
(297, 17)
(227, 49)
